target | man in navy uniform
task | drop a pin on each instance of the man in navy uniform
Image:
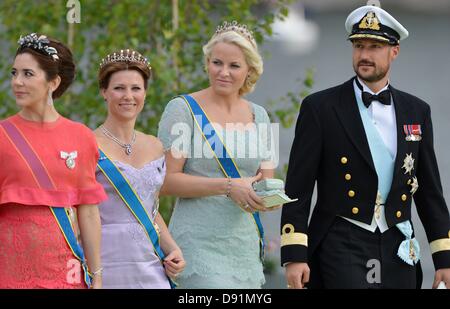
(370, 148)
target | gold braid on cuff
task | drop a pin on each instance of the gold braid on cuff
(440, 245)
(289, 237)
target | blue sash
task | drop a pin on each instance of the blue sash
(132, 201)
(43, 178)
(66, 227)
(223, 158)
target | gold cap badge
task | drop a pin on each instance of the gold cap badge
(370, 21)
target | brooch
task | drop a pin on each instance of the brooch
(70, 158)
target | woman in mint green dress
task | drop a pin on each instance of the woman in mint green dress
(213, 220)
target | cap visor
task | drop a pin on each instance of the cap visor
(369, 36)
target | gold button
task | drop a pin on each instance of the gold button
(404, 197)
(355, 210)
(348, 176)
(398, 214)
(351, 193)
(344, 160)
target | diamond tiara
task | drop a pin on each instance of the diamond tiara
(238, 28)
(40, 44)
(127, 55)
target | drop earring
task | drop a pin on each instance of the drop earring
(247, 79)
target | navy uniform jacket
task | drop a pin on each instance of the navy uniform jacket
(331, 147)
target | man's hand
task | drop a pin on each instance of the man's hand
(297, 274)
(442, 275)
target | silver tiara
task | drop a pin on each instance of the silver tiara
(238, 28)
(40, 43)
(127, 55)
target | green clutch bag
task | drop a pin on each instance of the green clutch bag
(271, 191)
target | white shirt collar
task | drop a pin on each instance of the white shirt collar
(367, 89)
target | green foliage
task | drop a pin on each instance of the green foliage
(169, 33)
(285, 108)
(173, 46)
(270, 266)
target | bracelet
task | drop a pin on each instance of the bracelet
(228, 186)
(97, 272)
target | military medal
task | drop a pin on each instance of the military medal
(408, 163)
(413, 132)
(414, 184)
(412, 251)
(379, 200)
(70, 158)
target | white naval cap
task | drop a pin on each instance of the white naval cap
(372, 22)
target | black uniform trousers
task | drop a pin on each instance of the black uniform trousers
(351, 257)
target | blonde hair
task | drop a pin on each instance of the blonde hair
(251, 54)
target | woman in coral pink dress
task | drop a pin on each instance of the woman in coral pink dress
(47, 171)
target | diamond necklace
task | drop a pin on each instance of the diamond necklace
(127, 147)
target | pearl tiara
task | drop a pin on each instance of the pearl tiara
(238, 28)
(127, 55)
(40, 44)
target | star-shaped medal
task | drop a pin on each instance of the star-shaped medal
(414, 185)
(408, 163)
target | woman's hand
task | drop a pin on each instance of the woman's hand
(90, 232)
(274, 207)
(244, 196)
(174, 263)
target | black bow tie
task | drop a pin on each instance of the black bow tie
(383, 97)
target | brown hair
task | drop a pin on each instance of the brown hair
(109, 68)
(64, 66)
